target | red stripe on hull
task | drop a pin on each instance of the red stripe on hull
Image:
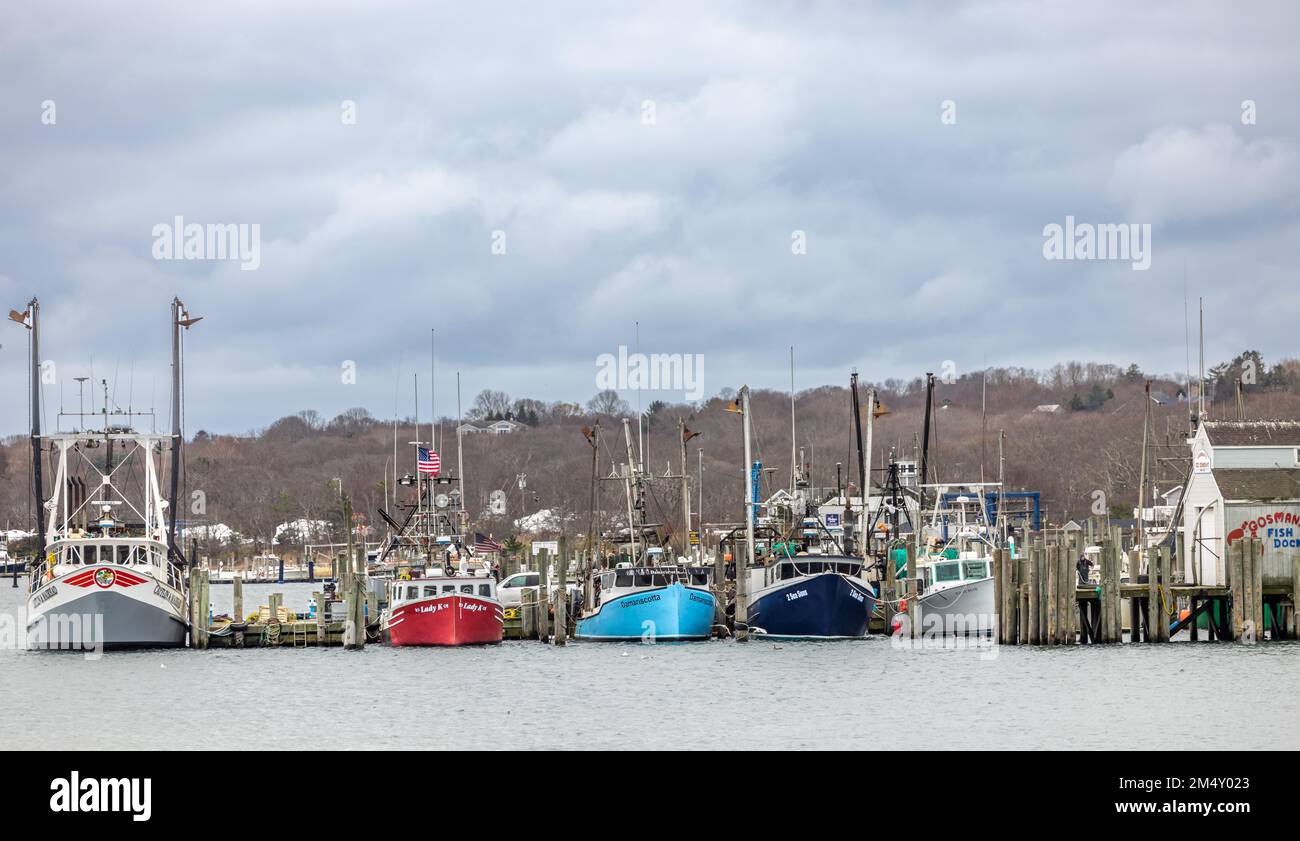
(453, 619)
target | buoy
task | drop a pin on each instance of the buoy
(1183, 614)
(902, 605)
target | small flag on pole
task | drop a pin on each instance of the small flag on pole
(428, 461)
(485, 544)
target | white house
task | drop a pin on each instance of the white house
(500, 427)
(1245, 482)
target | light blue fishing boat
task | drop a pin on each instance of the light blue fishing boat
(650, 604)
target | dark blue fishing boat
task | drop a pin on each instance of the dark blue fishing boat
(811, 597)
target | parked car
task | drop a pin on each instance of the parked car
(510, 590)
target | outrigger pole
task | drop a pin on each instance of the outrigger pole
(180, 319)
(176, 430)
(34, 309)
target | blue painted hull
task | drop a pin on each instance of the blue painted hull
(657, 614)
(822, 606)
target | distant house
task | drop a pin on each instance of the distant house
(500, 427)
(1048, 408)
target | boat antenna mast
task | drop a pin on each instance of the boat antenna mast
(30, 318)
(181, 321)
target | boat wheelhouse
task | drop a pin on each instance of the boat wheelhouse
(650, 603)
(444, 610)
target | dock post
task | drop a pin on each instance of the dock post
(890, 592)
(1237, 586)
(1065, 593)
(360, 590)
(999, 597)
(237, 612)
(204, 601)
(1257, 586)
(1295, 597)
(1053, 575)
(562, 593)
(1108, 562)
(527, 609)
(322, 624)
(1035, 586)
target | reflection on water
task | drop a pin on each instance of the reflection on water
(617, 695)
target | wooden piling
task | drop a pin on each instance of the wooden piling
(1035, 602)
(1257, 586)
(1065, 592)
(995, 563)
(562, 594)
(358, 612)
(1053, 582)
(1237, 586)
(1110, 619)
(526, 612)
(1295, 597)
(322, 609)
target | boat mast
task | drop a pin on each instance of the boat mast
(857, 436)
(460, 458)
(743, 567)
(685, 435)
(925, 458)
(34, 308)
(866, 486)
(177, 435)
(633, 477)
(794, 460)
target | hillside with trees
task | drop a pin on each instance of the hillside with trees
(1069, 432)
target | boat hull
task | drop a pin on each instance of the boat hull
(451, 619)
(106, 606)
(660, 614)
(826, 605)
(967, 608)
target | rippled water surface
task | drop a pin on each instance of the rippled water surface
(694, 695)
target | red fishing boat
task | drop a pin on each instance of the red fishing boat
(444, 610)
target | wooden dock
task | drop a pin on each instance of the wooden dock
(1040, 601)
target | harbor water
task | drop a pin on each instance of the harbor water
(717, 694)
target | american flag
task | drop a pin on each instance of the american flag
(483, 543)
(428, 460)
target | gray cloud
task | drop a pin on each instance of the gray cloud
(924, 239)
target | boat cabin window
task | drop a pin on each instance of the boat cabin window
(430, 590)
(623, 578)
(701, 576)
(467, 588)
(947, 572)
(449, 588)
(413, 592)
(485, 590)
(976, 569)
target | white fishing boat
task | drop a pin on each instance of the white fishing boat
(957, 588)
(108, 571)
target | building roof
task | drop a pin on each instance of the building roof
(1253, 433)
(1264, 485)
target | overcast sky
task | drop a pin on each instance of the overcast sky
(645, 164)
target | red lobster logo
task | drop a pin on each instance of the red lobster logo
(104, 577)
